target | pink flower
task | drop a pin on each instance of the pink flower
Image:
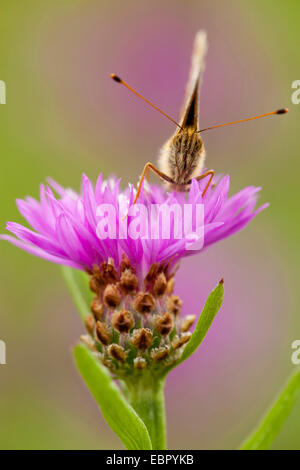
(65, 227)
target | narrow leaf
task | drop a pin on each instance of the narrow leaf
(210, 310)
(121, 417)
(78, 284)
(270, 426)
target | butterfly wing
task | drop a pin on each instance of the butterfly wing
(190, 110)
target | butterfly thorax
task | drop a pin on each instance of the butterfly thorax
(182, 157)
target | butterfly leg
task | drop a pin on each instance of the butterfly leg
(149, 166)
(211, 173)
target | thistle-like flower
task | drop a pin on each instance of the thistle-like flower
(134, 321)
(65, 228)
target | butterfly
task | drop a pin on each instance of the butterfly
(182, 157)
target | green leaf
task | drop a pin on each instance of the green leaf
(78, 284)
(121, 417)
(270, 426)
(210, 310)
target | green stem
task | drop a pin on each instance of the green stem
(146, 396)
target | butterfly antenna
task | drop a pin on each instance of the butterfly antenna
(119, 80)
(278, 111)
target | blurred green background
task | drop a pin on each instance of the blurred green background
(64, 116)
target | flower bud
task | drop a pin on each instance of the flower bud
(129, 282)
(144, 303)
(117, 352)
(142, 338)
(109, 273)
(125, 264)
(102, 333)
(160, 354)
(151, 275)
(89, 323)
(111, 296)
(139, 363)
(164, 323)
(98, 275)
(97, 308)
(160, 285)
(123, 321)
(187, 323)
(180, 341)
(94, 284)
(174, 304)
